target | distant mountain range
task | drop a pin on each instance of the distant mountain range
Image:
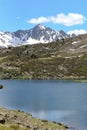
(38, 34)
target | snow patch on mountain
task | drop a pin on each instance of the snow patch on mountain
(83, 46)
(38, 34)
(41, 26)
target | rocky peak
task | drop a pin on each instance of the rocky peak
(38, 34)
(39, 26)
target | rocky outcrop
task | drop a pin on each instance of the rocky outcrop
(1, 86)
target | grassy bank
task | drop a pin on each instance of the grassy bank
(17, 120)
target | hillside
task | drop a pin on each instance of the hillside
(17, 120)
(63, 59)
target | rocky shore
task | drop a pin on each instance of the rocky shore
(18, 120)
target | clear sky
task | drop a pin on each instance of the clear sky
(57, 14)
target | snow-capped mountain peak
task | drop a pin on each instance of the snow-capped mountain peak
(40, 26)
(38, 34)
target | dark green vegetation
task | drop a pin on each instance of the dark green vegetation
(64, 59)
(17, 120)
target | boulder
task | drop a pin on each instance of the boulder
(2, 121)
(1, 86)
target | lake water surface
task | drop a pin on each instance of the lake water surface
(61, 101)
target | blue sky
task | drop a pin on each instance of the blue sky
(57, 14)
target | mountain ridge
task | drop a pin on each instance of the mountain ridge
(38, 34)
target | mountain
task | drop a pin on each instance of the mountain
(63, 59)
(38, 34)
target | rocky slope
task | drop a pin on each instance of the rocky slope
(17, 120)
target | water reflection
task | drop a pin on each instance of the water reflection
(57, 115)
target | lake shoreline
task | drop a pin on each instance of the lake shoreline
(54, 79)
(11, 119)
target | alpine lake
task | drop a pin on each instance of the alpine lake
(62, 101)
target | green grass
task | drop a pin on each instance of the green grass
(11, 127)
(5, 128)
